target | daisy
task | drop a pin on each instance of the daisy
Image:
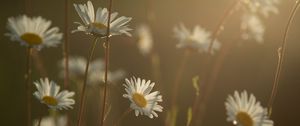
(142, 101)
(52, 121)
(198, 38)
(48, 93)
(246, 111)
(264, 7)
(34, 32)
(145, 41)
(97, 24)
(96, 71)
(253, 28)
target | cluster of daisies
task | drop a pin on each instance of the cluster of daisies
(35, 32)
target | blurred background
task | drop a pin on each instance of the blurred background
(248, 65)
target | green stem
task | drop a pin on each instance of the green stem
(281, 54)
(28, 83)
(220, 25)
(106, 46)
(82, 96)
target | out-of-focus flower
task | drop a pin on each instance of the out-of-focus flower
(253, 28)
(145, 41)
(97, 24)
(198, 39)
(246, 111)
(96, 71)
(51, 121)
(48, 93)
(142, 101)
(264, 7)
(34, 32)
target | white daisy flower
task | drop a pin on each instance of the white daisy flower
(48, 93)
(198, 39)
(52, 121)
(253, 28)
(142, 101)
(96, 71)
(246, 111)
(264, 7)
(97, 24)
(34, 32)
(145, 41)
(98, 76)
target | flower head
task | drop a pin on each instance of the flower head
(246, 111)
(142, 101)
(145, 41)
(253, 28)
(48, 93)
(34, 32)
(77, 67)
(264, 7)
(198, 38)
(97, 24)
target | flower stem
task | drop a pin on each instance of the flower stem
(66, 45)
(123, 116)
(179, 77)
(281, 54)
(66, 53)
(199, 106)
(28, 83)
(106, 46)
(220, 25)
(82, 96)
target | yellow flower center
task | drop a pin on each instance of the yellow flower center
(139, 100)
(50, 100)
(98, 25)
(244, 119)
(31, 38)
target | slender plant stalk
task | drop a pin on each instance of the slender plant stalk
(66, 45)
(38, 63)
(106, 46)
(199, 106)
(179, 77)
(123, 116)
(28, 83)
(41, 115)
(82, 96)
(40, 120)
(220, 25)
(281, 54)
(156, 68)
(66, 53)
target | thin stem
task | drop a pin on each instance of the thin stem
(28, 83)
(155, 61)
(66, 45)
(179, 77)
(40, 120)
(66, 52)
(82, 97)
(38, 63)
(123, 116)
(220, 25)
(281, 54)
(199, 108)
(106, 46)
